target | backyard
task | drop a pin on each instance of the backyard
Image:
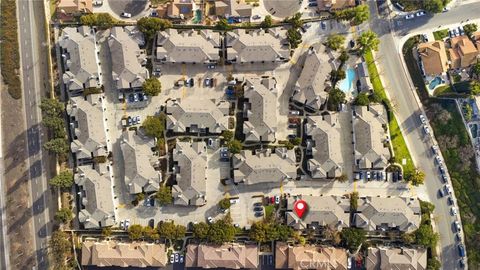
(440, 34)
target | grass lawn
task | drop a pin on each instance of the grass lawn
(269, 209)
(440, 34)
(398, 142)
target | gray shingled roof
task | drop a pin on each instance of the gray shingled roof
(325, 211)
(195, 113)
(88, 126)
(261, 110)
(257, 45)
(229, 256)
(127, 59)
(370, 136)
(310, 86)
(98, 199)
(80, 58)
(323, 134)
(374, 213)
(188, 46)
(396, 258)
(139, 162)
(190, 172)
(264, 166)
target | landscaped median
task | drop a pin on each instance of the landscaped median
(10, 60)
(400, 148)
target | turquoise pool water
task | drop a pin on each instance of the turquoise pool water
(435, 82)
(198, 16)
(346, 84)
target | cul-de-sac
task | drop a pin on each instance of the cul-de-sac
(240, 134)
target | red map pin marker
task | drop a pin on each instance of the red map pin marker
(300, 207)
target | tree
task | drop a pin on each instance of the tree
(333, 235)
(426, 207)
(180, 232)
(476, 69)
(337, 75)
(57, 146)
(470, 28)
(284, 232)
(135, 232)
(425, 236)
(474, 88)
(56, 124)
(221, 231)
(102, 20)
(150, 233)
(367, 41)
(227, 135)
(267, 22)
(63, 180)
(354, 200)
(434, 6)
(152, 86)
(167, 230)
(296, 141)
(335, 41)
(224, 203)
(335, 98)
(234, 146)
(296, 20)
(408, 238)
(154, 126)
(353, 237)
(64, 215)
(200, 230)
(107, 231)
(362, 99)
(149, 26)
(60, 247)
(294, 38)
(260, 230)
(222, 24)
(361, 14)
(343, 56)
(164, 195)
(51, 107)
(417, 178)
(433, 264)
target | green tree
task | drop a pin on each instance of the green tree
(135, 232)
(149, 26)
(227, 135)
(337, 75)
(434, 6)
(294, 38)
(425, 236)
(367, 41)
(107, 231)
(354, 200)
(335, 98)
(267, 22)
(224, 203)
(362, 99)
(433, 264)
(164, 195)
(200, 230)
(234, 146)
(102, 20)
(335, 41)
(284, 232)
(57, 146)
(408, 238)
(296, 141)
(64, 215)
(476, 69)
(474, 88)
(167, 230)
(222, 24)
(180, 232)
(426, 207)
(417, 178)
(353, 237)
(343, 56)
(295, 20)
(56, 124)
(221, 231)
(63, 180)
(259, 232)
(152, 86)
(60, 247)
(51, 107)
(154, 126)
(361, 14)
(470, 28)
(150, 233)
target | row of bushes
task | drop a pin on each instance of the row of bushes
(9, 50)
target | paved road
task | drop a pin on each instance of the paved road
(407, 110)
(35, 80)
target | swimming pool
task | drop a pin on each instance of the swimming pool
(198, 16)
(346, 84)
(435, 82)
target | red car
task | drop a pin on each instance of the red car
(272, 200)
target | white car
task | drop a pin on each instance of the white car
(422, 119)
(256, 17)
(420, 13)
(126, 15)
(172, 258)
(453, 211)
(277, 199)
(294, 112)
(445, 9)
(426, 129)
(177, 257)
(210, 219)
(127, 224)
(234, 201)
(438, 159)
(409, 16)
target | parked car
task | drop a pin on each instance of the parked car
(422, 117)
(191, 82)
(126, 15)
(211, 66)
(177, 257)
(277, 199)
(441, 169)
(292, 125)
(181, 258)
(323, 25)
(127, 224)
(434, 149)
(458, 228)
(395, 176)
(151, 223)
(368, 175)
(294, 112)
(312, 4)
(444, 178)
(257, 204)
(210, 220)
(400, 176)
(206, 82)
(426, 129)
(448, 189)
(462, 263)
(453, 211)
(420, 13)
(458, 237)
(135, 96)
(409, 16)
(234, 201)
(292, 136)
(438, 159)
(450, 201)
(461, 250)
(172, 258)
(445, 9)
(441, 193)
(425, 37)
(258, 209)
(460, 29)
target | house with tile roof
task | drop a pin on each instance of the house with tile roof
(79, 54)
(226, 256)
(264, 166)
(324, 146)
(190, 164)
(260, 110)
(232, 8)
(388, 213)
(300, 257)
(371, 138)
(379, 258)
(197, 115)
(463, 52)
(128, 60)
(335, 5)
(323, 211)
(187, 46)
(434, 57)
(139, 163)
(75, 7)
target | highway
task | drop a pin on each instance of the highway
(33, 54)
(407, 110)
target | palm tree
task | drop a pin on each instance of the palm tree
(367, 41)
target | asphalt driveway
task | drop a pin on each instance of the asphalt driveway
(134, 7)
(282, 8)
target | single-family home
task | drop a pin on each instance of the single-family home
(396, 258)
(434, 57)
(299, 257)
(226, 256)
(463, 52)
